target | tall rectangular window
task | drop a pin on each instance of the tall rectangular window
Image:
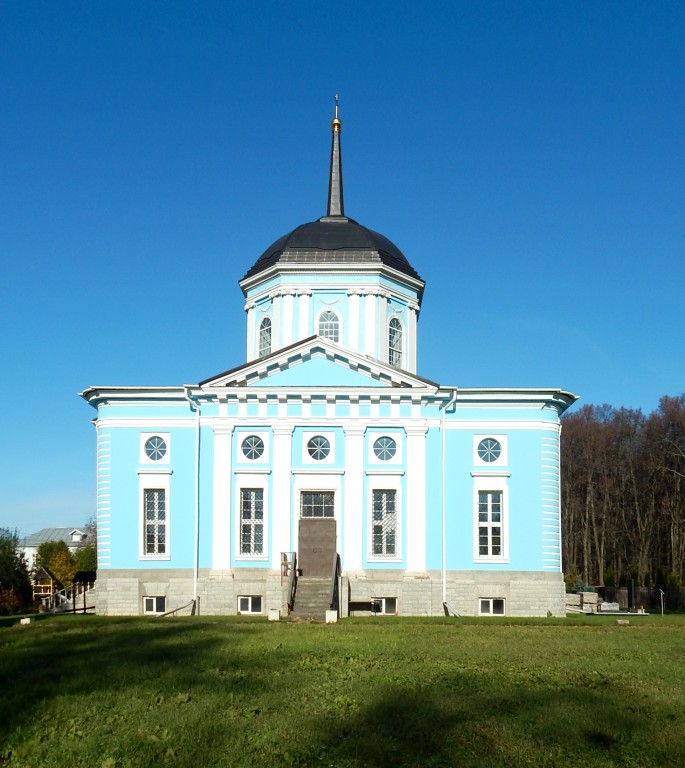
(384, 523)
(490, 523)
(251, 521)
(265, 337)
(395, 343)
(155, 531)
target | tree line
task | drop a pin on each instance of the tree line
(623, 495)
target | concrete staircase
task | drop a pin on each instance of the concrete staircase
(311, 598)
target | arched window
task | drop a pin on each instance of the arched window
(329, 325)
(265, 337)
(395, 343)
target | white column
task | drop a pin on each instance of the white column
(353, 339)
(276, 326)
(221, 498)
(410, 343)
(382, 332)
(370, 322)
(251, 347)
(287, 318)
(416, 497)
(303, 303)
(281, 461)
(354, 498)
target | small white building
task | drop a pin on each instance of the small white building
(74, 538)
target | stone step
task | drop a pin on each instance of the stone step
(311, 598)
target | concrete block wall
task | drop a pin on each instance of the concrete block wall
(418, 594)
(121, 592)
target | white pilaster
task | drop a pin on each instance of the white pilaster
(221, 498)
(370, 324)
(382, 326)
(303, 309)
(354, 497)
(416, 497)
(251, 352)
(353, 339)
(281, 539)
(410, 343)
(276, 324)
(287, 318)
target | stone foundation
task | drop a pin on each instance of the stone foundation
(526, 593)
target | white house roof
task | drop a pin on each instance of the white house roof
(51, 534)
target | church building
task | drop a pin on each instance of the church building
(324, 473)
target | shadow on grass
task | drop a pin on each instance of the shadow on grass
(250, 694)
(428, 728)
(70, 656)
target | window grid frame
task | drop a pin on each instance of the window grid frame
(252, 526)
(155, 523)
(395, 342)
(490, 524)
(329, 326)
(491, 603)
(323, 505)
(264, 337)
(384, 524)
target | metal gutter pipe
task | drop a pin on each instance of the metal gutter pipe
(452, 401)
(195, 405)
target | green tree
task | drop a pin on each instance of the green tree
(86, 558)
(15, 582)
(56, 557)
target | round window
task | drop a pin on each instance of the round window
(155, 448)
(318, 448)
(385, 448)
(253, 447)
(489, 450)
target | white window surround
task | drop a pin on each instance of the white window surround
(312, 482)
(503, 459)
(492, 606)
(384, 482)
(332, 325)
(251, 521)
(483, 483)
(396, 342)
(150, 481)
(250, 604)
(241, 435)
(398, 437)
(154, 605)
(307, 436)
(326, 500)
(144, 459)
(384, 606)
(248, 480)
(264, 337)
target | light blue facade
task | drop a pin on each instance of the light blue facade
(443, 498)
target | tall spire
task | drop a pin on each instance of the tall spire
(336, 205)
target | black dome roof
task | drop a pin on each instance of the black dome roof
(333, 240)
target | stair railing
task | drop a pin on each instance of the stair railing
(289, 572)
(334, 601)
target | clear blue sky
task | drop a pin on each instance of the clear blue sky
(528, 159)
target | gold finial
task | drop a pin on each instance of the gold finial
(336, 123)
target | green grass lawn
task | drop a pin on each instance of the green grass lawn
(209, 691)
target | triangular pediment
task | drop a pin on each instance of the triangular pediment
(316, 362)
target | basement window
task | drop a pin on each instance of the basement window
(492, 606)
(250, 604)
(154, 605)
(378, 606)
